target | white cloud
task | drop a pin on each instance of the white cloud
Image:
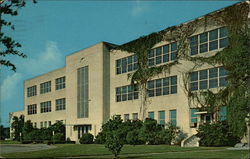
(46, 61)
(139, 8)
(9, 86)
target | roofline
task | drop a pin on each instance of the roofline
(44, 74)
(189, 21)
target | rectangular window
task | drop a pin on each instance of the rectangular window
(194, 117)
(126, 117)
(49, 123)
(45, 87)
(223, 113)
(31, 91)
(135, 116)
(45, 107)
(162, 54)
(83, 92)
(35, 126)
(45, 124)
(60, 104)
(161, 115)
(60, 83)
(209, 78)
(208, 41)
(126, 64)
(173, 117)
(129, 92)
(32, 109)
(162, 86)
(151, 115)
(41, 124)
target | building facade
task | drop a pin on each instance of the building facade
(94, 85)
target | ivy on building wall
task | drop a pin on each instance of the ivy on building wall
(234, 58)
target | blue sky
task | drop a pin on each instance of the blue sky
(50, 30)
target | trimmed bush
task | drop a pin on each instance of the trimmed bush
(59, 138)
(86, 139)
(100, 138)
(132, 137)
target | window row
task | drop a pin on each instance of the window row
(46, 106)
(134, 117)
(45, 124)
(163, 86)
(208, 78)
(46, 87)
(126, 64)
(162, 54)
(129, 92)
(209, 41)
(162, 117)
(201, 43)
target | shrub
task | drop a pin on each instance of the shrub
(87, 139)
(100, 138)
(58, 138)
(149, 130)
(114, 142)
(216, 134)
(132, 137)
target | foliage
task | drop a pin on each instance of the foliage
(86, 138)
(216, 134)
(58, 138)
(132, 137)
(10, 46)
(114, 133)
(17, 126)
(100, 138)
(234, 58)
(4, 132)
(149, 131)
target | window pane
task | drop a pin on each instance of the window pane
(129, 59)
(223, 43)
(165, 49)
(165, 90)
(166, 58)
(158, 60)
(158, 82)
(203, 74)
(213, 72)
(213, 83)
(173, 89)
(151, 84)
(151, 62)
(203, 84)
(173, 80)
(173, 46)
(173, 55)
(223, 81)
(151, 115)
(194, 76)
(165, 81)
(203, 48)
(213, 45)
(194, 86)
(151, 53)
(194, 40)
(213, 35)
(223, 32)
(158, 92)
(203, 37)
(158, 51)
(194, 50)
(223, 71)
(151, 93)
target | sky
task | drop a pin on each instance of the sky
(53, 29)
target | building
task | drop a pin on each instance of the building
(94, 85)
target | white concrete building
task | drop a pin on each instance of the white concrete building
(94, 85)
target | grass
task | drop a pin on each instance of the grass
(139, 151)
(9, 142)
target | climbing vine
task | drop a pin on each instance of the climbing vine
(234, 58)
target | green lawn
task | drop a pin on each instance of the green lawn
(140, 151)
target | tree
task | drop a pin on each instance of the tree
(114, 135)
(10, 46)
(17, 126)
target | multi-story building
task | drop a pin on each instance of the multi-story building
(94, 85)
